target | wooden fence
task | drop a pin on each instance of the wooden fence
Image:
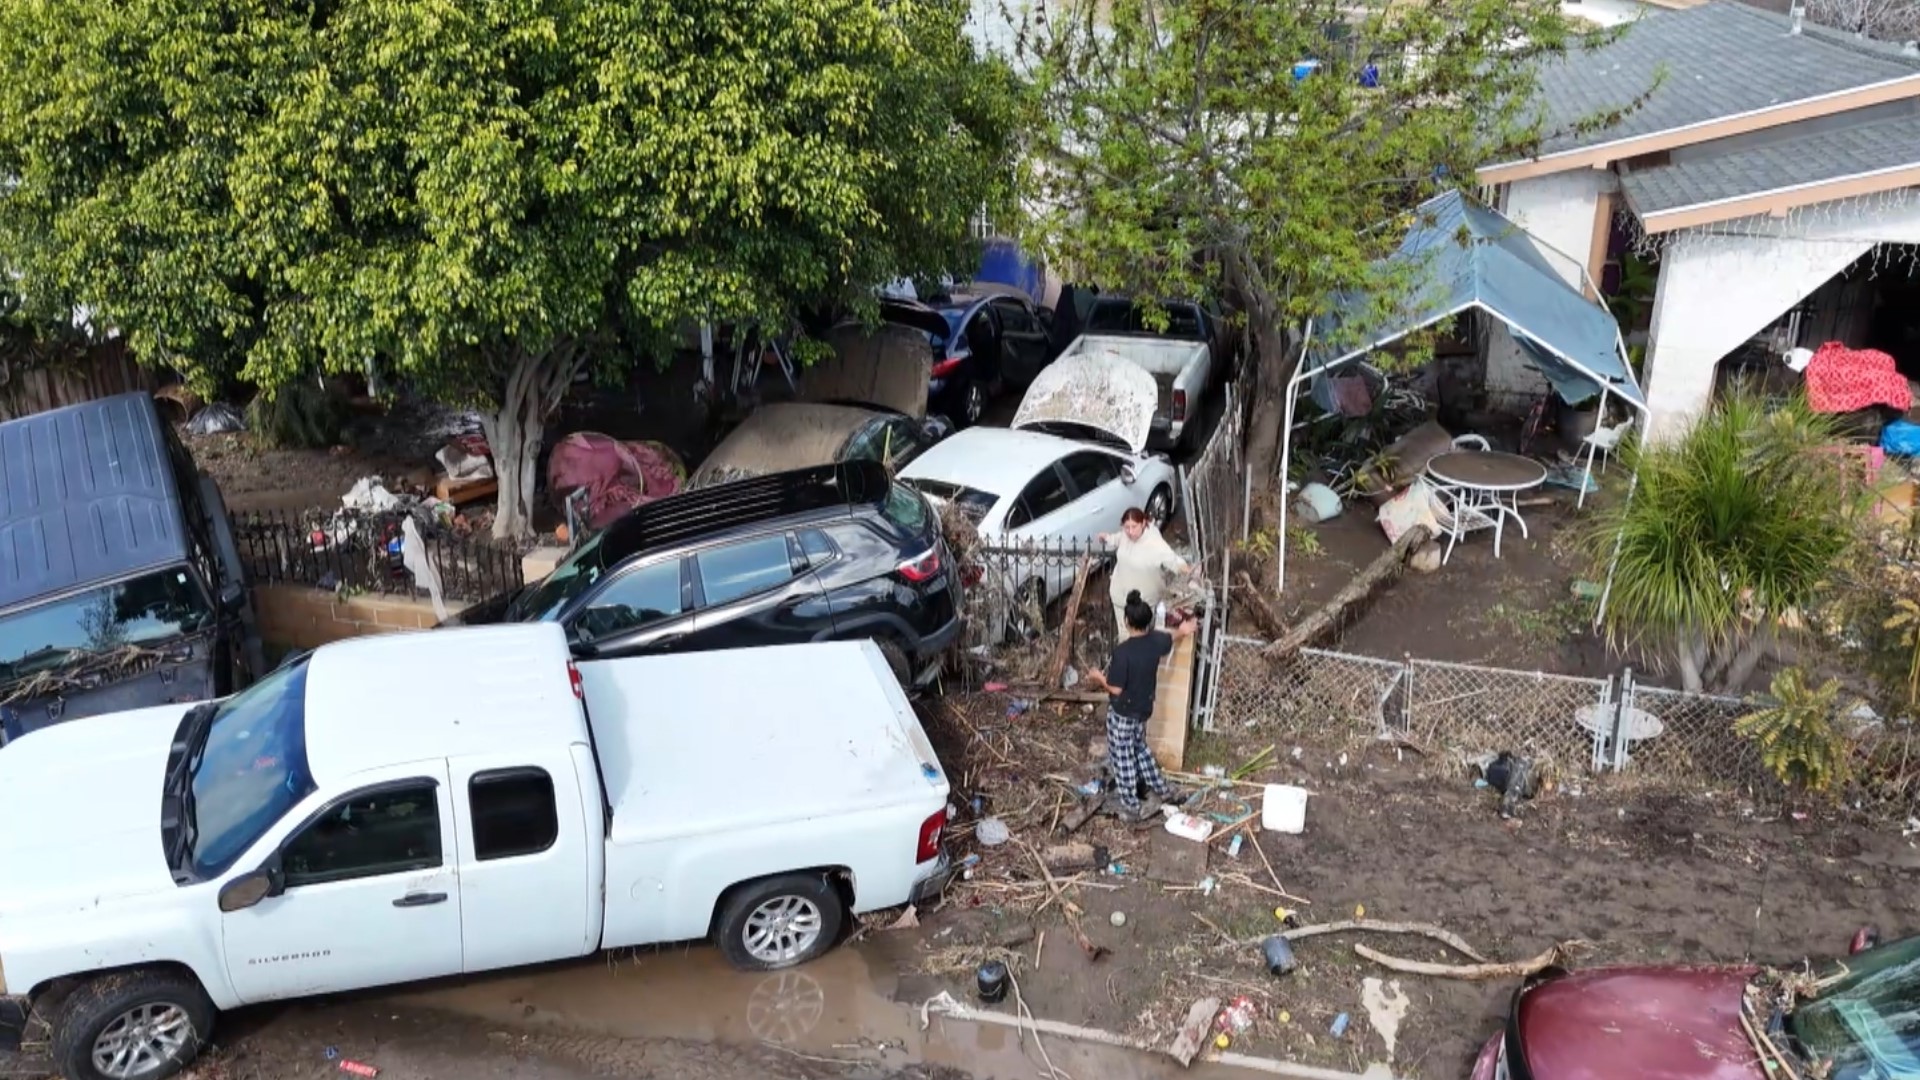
(102, 371)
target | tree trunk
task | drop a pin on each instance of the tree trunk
(1690, 678)
(1743, 664)
(1272, 349)
(1364, 584)
(531, 391)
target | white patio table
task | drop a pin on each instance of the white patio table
(1482, 489)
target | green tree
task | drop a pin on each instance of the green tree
(474, 191)
(1731, 538)
(1175, 152)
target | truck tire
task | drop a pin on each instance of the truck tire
(897, 662)
(132, 1025)
(779, 922)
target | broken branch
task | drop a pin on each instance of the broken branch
(1516, 969)
(1357, 592)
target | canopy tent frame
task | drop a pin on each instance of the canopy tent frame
(1303, 373)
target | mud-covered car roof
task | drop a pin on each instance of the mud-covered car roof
(86, 496)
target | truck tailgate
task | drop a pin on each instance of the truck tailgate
(707, 742)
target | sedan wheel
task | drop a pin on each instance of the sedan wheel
(975, 404)
(1160, 507)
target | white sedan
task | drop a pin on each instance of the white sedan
(1072, 464)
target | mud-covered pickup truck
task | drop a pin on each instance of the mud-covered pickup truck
(415, 806)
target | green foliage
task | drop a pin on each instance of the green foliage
(1176, 154)
(301, 415)
(1904, 623)
(1798, 735)
(1304, 541)
(474, 191)
(1728, 530)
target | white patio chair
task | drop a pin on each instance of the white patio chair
(1602, 443)
(1457, 519)
(1471, 442)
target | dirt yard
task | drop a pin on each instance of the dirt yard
(1518, 611)
(1641, 876)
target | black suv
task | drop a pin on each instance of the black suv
(830, 553)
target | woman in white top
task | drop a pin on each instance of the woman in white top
(1142, 561)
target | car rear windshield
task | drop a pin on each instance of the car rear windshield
(140, 612)
(1122, 317)
(972, 501)
(1867, 1024)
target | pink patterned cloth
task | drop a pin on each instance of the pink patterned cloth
(618, 475)
(1843, 380)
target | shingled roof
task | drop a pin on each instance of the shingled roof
(1815, 158)
(1707, 63)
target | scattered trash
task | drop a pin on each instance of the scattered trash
(908, 920)
(1278, 952)
(1117, 869)
(1188, 827)
(461, 465)
(1236, 1018)
(1207, 885)
(995, 688)
(1339, 1028)
(1070, 678)
(1513, 777)
(978, 804)
(331, 1053)
(1074, 857)
(1285, 1017)
(1359, 911)
(369, 494)
(1233, 848)
(1317, 503)
(1221, 1041)
(1214, 772)
(1285, 917)
(992, 832)
(1283, 809)
(355, 1068)
(1018, 707)
(1386, 1006)
(1118, 919)
(1863, 939)
(1586, 590)
(216, 419)
(1186, 1042)
(991, 982)
(1090, 788)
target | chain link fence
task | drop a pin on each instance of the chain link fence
(1679, 736)
(1472, 710)
(1313, 693)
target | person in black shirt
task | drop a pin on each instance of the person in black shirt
(1132, 681)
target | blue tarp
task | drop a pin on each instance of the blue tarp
(1462, 255)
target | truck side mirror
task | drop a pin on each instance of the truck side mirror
(246, 890)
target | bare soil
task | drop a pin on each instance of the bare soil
(1643, 876)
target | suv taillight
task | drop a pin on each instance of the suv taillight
(946, 367)
(1179, 404)
(923, 568)
(573, 677)
(930, 829)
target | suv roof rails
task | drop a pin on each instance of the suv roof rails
(693, 514)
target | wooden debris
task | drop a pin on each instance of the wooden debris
(1056, 668)
(1193, 1031)
(1271, 624)
(1072, 857)
(1348, 600)
(908, 920)
(1517, 969)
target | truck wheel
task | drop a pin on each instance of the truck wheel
(896, 658)
(780, 922)
(134, 1025)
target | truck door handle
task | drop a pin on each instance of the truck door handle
(421, 899)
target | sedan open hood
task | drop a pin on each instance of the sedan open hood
(1098, 391)
(887, 367)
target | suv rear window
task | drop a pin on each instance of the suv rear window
(905, 508)
(972, 501)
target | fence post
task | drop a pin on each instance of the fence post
(1622, 711)
(1407, 713)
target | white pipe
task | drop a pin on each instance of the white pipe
(945, 1005)
(1300, 375)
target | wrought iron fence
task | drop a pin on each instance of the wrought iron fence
(358, 552)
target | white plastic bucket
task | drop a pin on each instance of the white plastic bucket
(1284, 809)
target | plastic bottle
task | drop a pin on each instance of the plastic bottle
(1233, 849)
(1237, 1017)
(1160, 616)
(1339, 1027)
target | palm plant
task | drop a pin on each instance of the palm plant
(1729, 534)
(1799, 738)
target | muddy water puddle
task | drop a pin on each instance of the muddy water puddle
(847, 1006)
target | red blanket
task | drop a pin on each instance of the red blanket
(618, 475)
(1843, 380)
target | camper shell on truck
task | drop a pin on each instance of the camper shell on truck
(120, 584)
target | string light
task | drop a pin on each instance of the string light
(1803, 224)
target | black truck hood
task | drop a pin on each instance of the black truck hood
(185, 674)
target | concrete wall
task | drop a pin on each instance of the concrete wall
(1719, 289)
(1562, 212)
(305, 618)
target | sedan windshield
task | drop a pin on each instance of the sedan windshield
(251, 769)
(139, 612)
(1868, 1024)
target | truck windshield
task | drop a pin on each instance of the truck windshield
(1868, 1024)
(575, 575)
(100, 626)
(251, 768)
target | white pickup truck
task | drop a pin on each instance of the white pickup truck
(1181, 371)
(414, 806)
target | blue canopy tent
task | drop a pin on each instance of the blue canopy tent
(1461, 256)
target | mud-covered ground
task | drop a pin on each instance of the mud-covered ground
(1640, 876)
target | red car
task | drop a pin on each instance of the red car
(1684, 1024)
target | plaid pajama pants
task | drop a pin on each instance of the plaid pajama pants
(1130, 761)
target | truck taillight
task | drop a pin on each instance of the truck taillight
(573, 676)
(922, 568)
(929, 849)
(1179, 404)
